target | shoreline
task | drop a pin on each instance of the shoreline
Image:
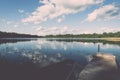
(112, 39)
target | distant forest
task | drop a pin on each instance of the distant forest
(94, 35)
(16, 35)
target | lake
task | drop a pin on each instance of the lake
(46, 51)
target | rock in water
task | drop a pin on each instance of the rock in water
(102, 67)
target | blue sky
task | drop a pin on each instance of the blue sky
(44, 17)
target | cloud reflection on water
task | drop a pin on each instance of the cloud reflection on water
(43, 59)
(46, 52)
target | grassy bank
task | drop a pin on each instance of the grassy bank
(115, 39)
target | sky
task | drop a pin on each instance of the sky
(46, 17)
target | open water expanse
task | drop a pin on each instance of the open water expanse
(44, 51)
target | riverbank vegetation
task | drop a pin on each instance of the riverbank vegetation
(94, 35)
(16, 35)
(104, 36)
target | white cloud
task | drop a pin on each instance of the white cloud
(73, 30)
(9, 22)
(59, 20)
(109, 29)
(39, 28)
(106, 12)
(59, 30)
(54, 8)
(21, 11)
(16, 25)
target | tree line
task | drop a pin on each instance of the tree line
(94, 35)
(16, 35)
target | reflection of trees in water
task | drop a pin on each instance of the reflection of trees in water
(12, 40)
(87, 40)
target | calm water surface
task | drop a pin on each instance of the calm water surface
(45, 51)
